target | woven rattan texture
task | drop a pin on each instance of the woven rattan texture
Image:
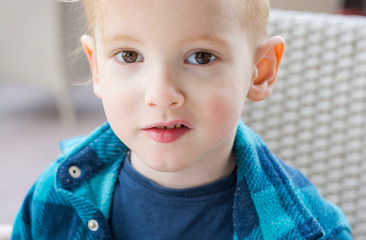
(315, 119)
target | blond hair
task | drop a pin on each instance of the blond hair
(255, 18)
(255, 14)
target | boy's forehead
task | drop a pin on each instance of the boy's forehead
(148, 4)
(187, 8)
(190, 15)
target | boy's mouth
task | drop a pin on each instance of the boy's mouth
(177, 124)
(174, 126)
(167, 132)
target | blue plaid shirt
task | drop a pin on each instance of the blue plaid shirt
(72, 198)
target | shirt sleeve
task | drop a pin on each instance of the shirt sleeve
(23, 226)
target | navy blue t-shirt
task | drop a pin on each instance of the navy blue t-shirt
(142, 209)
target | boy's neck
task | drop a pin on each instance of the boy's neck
(199, 175)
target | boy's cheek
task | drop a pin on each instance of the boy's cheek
(117, 104)
(223, 110)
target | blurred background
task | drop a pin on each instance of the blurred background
(43, 95)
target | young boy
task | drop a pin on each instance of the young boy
(174, 161)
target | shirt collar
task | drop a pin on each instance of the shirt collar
(85, 156)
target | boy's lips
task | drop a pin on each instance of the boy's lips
(167, 132)
(169, 125)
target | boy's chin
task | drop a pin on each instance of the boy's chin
(163, 163)
(166, 164)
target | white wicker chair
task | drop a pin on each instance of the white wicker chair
(316, 117)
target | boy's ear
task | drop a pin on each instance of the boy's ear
(267, 61)
(90, 51)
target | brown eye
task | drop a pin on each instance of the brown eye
(201, 58)
(129, 57)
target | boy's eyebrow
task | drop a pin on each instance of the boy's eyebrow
(126, 38)
(215, 39)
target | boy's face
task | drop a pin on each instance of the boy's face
(184, 63)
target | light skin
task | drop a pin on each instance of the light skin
(166, 83)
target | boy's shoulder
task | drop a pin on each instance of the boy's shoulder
(74, 189)
(284, 202)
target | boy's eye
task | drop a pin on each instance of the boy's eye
(129, 57)
(201, 58)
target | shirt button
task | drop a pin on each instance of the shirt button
(93, 225)
(74, 171)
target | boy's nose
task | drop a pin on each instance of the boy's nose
(163, 92)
